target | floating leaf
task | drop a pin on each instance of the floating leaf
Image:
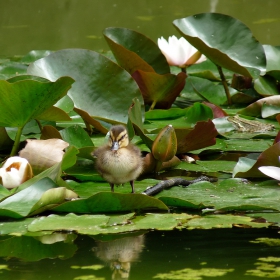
(217, 111)
(35, 55)
(228, 195)
(222, 39)
(202, 135)
(223, 221)
(134, 51)
(214, 93)
(255, 109)
(20, 204)
(273, 60)
(159, 91)
(102, 88)
(49, 132)
(25, 99)
(266, 86)
(248, 167)
(105, 202)
(98, 224)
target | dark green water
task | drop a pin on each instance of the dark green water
(220, 253)
(58, 24)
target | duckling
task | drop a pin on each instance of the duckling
(119, 161)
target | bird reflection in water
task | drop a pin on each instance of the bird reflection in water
(119, 254)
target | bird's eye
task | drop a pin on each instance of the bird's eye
(122, 137)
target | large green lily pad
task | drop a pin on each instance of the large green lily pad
(222, 39)
(104, 202)
(26, 98)
(102, 88)
(228, 195)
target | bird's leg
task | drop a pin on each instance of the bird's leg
(112, 187)
(132, 186)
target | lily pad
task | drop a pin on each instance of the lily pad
(102, 88)
(222, 39)
(134, 51)
(255, 109)
(97, 224)
(25, 99)
(266, 86)
(223, 221)
(159, 91)
(273, 60)
(214, 93)
(105, 202)
(20, 204)
(228, 195)
(248, 167)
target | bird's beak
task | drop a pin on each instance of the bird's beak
(115, 146)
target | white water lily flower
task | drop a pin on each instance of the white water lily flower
(179, 52)
(14, 172)
(271, 171)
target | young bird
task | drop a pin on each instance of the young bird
(119, 161)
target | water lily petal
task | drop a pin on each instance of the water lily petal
(271, 171)
(179, 51)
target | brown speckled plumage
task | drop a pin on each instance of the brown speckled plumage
(119, 161)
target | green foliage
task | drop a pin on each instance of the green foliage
(74, 95)
(222, 39)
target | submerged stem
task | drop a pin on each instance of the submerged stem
(224, 82)
(17, 141)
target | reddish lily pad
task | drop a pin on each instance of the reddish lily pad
(218, 112)
(248, 167)
(134, 51)
(201, 136)
(255, 109)
(160, 91)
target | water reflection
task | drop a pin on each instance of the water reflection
(119, 254)
(224, 254)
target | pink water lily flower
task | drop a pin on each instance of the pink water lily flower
(14, 172)
(179, 52)
(271, 171)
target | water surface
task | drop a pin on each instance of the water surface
(226, 254)
(57, 24)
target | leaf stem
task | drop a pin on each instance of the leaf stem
(158, 166)
(17, 141)
(39, 124)
(224, 82)
(153, 105)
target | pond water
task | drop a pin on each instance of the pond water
(53, 24)
(195, 254)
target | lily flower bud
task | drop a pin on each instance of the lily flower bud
(165, 145)
(14, 172)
